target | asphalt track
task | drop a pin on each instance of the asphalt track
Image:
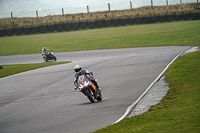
(44, 101)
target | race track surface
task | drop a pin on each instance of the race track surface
(44, 101)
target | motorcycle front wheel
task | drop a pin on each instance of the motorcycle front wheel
(89, 95)
(99, 98)
(54, 58)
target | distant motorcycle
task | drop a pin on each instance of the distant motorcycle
(49, 56)
(88, 88)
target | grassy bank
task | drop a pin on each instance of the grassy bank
(8, 23)
(14, 69)
(178, 112)
(181, 33)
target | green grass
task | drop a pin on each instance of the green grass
(18, 68)
(179, 111)
(182, 33)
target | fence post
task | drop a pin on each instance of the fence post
(167, 2)
(131, 4)
(88, 9)
(36, 13)
(109, 6)
(151, 2)
(11, 17)
(62, 11)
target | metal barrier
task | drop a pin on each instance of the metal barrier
(98, 24)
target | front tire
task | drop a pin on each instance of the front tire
(99, 98)
(54, 58)
(89, 95)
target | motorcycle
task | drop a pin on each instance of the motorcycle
(49, 56)
(88, 88)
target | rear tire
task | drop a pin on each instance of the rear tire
(89, 95)
(45, 59)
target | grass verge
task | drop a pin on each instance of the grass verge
(178, 112)
(18, 68)
(181, 33)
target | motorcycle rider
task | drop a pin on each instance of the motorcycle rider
(45, 51)
(80, 71)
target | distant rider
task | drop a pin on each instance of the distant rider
(45, 51)
(79, 71)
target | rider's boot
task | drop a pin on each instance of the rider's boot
(97, 86)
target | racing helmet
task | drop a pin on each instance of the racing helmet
(78, 69)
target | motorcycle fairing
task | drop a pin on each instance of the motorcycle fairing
(83, 83)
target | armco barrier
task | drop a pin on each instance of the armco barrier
(2, 33)
(107, 23)
(43, 29)
(154, 19)
(75, 26)
(27, 31)
(195, 16)
(178, 17)
(92, 25)
(115, 22)
(10, 32)
(170, 18)
(147, 20)
(35, 30)
(51, 28)
(187, 16)
(98, 24)
(59, 27)
(140, 20)
(67, 26)
(18, 31)
(162, 19)
(83, 25)
(123, 22)
(131, 21)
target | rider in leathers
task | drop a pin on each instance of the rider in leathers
(45, 51)
(79, 71)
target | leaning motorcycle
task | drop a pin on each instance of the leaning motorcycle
(49, 56)
(88, 88)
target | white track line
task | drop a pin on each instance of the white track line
(132, 106)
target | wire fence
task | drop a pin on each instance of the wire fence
(19, 26)
(93, 8)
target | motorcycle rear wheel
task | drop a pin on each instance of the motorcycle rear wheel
(45, 59)
(89, 95)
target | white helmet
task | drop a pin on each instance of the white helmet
(78, 69)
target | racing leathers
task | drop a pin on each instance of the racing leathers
(92, 79)
(45, 51)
